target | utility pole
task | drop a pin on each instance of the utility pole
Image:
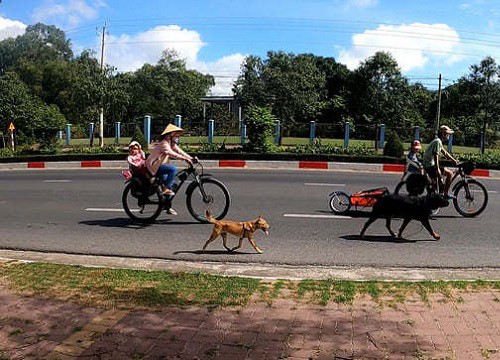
(438, 115)
(101, 110)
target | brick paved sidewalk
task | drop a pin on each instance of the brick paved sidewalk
(31, 328)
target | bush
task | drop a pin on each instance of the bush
(139, 137)
(394, 146)
(260, 126)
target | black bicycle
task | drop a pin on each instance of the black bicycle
(470, 196)
(143, 202)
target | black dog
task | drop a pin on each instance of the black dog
(409, 208)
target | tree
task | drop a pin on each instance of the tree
(473, 103)
(168, 88)
(380, 94)
(32, 117)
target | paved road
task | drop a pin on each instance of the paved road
(49, 211)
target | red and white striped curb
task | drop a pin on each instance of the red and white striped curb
(246, 164)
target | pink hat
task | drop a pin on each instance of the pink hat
(416, 145)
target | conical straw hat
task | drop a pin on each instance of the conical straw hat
(172, 128)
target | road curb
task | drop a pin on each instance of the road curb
(261, 271)
(239, 164)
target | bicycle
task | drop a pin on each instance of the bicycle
(470, 196)
(143, 202)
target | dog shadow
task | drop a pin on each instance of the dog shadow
(212, 252)
(130, 224)
(381, 238)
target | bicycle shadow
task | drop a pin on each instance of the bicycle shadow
(130, 224)
(381, 238)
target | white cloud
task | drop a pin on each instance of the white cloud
(67, 13)
(361, 3)
(413, 46)
(10, 28)
(130, 52)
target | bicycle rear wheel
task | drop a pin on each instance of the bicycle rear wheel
(216, 200)
(140, 207)
(340, 202)
(470, 198)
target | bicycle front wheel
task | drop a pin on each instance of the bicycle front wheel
(142, 208)
(470, 198)
(210, 194)
(340, 202)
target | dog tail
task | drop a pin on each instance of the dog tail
(209, 216)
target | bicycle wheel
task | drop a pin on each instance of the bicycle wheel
(471, 198)
(217, 199)
(143, 208)
(340, 202)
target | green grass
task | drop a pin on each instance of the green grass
(125, 288)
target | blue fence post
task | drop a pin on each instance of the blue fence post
(277, 132)
(382, 136)
(147, 129)
(450, 143)
(68, 133)
(91, 134)
(211, 125)
(178, 121)
(416, 133)
(312, 131)
(118, 131)
(346, 134)
(243, 133)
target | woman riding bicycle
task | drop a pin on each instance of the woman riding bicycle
(158, 161)
(431, 160)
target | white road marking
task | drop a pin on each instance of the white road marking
(323, 184)
(105, 210)
(316, 216)
(57, 181)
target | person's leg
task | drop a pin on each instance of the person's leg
(162, 174)
(171, 171)
(448, 174)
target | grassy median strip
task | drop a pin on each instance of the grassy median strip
(125, 288)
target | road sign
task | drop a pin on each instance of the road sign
(11, 127)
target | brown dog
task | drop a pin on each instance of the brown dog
(241, 229)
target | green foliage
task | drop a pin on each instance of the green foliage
(393, 146)
(260, 125)
(139, 137)
(32, 118)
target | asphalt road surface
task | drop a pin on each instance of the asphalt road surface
(79, 212)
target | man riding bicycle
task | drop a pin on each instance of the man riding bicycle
(431, 160)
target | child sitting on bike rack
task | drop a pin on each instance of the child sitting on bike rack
(136, 160)
(413, 164)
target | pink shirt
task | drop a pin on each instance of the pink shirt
(137, 160)
(161, 153)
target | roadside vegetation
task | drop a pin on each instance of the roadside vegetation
(140, 289)
(44, 85)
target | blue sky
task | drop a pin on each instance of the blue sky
(426, 37)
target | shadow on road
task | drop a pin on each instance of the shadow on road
(379, 238)
(212, 252)
(129, 224)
